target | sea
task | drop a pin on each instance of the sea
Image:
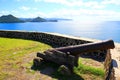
(102, 30)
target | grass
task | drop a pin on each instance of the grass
(16, 57)
(12, 53)
(84, 69)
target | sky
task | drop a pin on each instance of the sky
(71, 9)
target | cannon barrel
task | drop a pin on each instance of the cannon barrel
(89, 47)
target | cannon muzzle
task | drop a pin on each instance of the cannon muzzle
(89, 47)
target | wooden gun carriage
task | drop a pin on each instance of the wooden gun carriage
(69, 55)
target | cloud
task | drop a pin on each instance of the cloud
(37, 0)
(75, 3)
(25, 8)
(14, 11)
(4, 12)
(85, 9)
(57, 1)
(115, 2)
(86, 14)
(94, 4)
(77, 9)
(81, 3)
(32, 15)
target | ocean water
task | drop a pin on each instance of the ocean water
(96, 30)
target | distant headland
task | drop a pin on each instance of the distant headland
(12, 19)
(9, 19)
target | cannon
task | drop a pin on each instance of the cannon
(89, 47)
(69, 55)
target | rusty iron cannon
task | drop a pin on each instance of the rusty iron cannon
(69, 55)
(89, 47)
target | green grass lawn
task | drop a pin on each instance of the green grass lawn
(16, 59)
(12, 53)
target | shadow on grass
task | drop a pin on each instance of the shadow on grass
(51, 69)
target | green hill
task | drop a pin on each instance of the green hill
(9, 19)
(39, 19)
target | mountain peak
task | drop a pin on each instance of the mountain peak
(9, 19)
(39, 19)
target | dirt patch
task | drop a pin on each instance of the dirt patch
(24, 72)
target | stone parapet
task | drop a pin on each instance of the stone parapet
(112, 65)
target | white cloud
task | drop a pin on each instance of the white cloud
(35, 8)
(91, 9)
(94, 4)
(116, 2)
(94, 9)
(57, 1)
(40, 14)
(4, 12)
(14, 11)
(32, 15)
(77, 3)
(37, 0)
(86, 14)
(81, 3)
(25, 8)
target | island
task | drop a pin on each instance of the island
(39, 19)
(10, 19)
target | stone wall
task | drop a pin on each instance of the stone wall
(108, 64)
(62, 40)
(48, 38)
(54, 40)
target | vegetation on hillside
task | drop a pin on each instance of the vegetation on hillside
(9, 19)
(39, 19)
(12, 19)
